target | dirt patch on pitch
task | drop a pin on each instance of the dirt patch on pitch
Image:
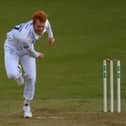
(98, 119)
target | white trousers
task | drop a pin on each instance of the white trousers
(12, 58)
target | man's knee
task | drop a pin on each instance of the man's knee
(30, 77)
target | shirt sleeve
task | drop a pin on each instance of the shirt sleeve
(49, 29)
(26, 43)
(32, 52)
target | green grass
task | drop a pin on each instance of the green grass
(69, 88)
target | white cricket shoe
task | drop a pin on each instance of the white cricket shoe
(27, 111)
(20, 80)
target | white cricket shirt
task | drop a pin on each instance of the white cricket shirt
(23, 37)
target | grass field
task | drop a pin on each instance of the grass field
(69, 90)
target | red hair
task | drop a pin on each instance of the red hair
(39, 15)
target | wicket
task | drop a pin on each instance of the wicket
(105, 77)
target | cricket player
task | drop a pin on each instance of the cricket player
(19, 48)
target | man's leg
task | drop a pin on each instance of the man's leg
(29, 65)
(12, 66)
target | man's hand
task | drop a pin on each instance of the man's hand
(40, 55)
(51, 41)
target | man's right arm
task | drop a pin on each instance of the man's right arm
(35, 54)
(27, 44)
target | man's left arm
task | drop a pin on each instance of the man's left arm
(51, 39)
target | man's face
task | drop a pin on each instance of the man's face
(39, 27)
